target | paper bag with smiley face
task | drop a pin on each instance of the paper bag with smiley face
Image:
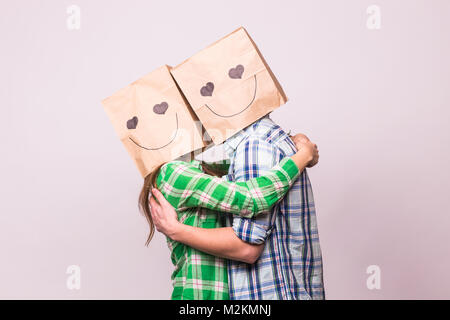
(229, 85)
(153, 120)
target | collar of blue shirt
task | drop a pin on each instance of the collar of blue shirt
(233, 142)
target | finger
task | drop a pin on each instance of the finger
(301, 135)
(162, 200)
(304, 137)
(158, 195)
(155, 206)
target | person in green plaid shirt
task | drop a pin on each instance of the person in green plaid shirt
(199, 200)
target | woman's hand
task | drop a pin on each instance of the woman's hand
(306, 150)
(164, 215)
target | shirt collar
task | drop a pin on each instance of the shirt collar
(233, 142)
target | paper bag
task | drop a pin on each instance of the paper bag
(153, 120)
(229, 85)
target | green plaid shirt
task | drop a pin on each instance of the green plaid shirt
(199, 200)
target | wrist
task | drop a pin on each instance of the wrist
(302, 159)
(175, 231)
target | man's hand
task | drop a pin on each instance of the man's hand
(164, 215)
(302, 142)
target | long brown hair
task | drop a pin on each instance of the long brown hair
(144, 196)
(150, 182)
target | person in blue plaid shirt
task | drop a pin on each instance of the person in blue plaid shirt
(290, 264)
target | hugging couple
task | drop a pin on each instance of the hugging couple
(241, 228)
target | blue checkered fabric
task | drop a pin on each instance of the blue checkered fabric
(290, 267)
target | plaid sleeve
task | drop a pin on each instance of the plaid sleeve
(254, 158)
(186, 186)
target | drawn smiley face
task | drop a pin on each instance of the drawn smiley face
(159, 109)
(229, 85)
(235, 73)
(153, 120)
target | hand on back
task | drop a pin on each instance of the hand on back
(306, 148)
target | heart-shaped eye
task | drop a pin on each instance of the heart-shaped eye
(160, 108)
(236, 73)
(207, 90)
(132, 123)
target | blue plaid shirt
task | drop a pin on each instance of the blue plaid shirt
(290, 267)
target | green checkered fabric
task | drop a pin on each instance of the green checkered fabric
(199, 200)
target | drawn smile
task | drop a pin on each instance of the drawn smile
(235, 114)
(157, 148)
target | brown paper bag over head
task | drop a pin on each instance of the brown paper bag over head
(229, 85)
(153, 120)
